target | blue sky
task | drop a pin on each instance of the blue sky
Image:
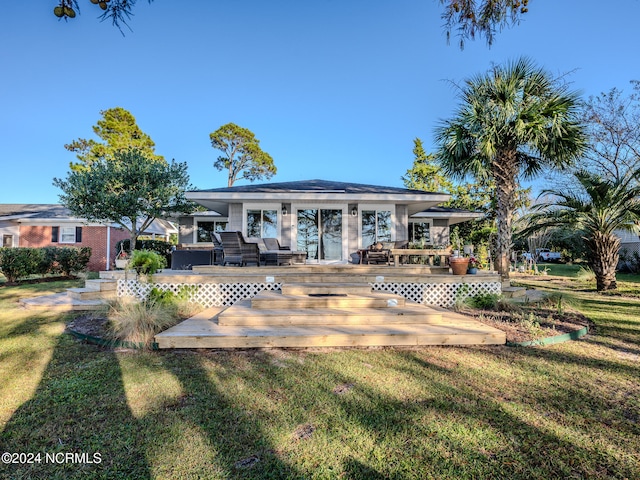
(334, 89)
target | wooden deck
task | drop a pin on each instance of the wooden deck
(299, 318)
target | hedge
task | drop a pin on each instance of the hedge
(21, 262)
(161, 247)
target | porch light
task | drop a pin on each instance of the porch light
(284, 210)
(354, 212)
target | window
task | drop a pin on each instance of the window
(376, 226)
(66, 234)
(205, 229)
(420, 232)
(7, 241)
(262, 223)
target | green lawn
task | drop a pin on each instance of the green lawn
(565, 411)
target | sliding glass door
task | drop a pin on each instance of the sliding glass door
(319, 233)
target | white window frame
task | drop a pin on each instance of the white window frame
(262, 207)
(420, 220)
(62, 234)
(377, 208)
(196, 221)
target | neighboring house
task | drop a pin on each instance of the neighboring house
(39, 225)
(329, 220)
(629, 241)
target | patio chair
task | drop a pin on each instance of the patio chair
(276, 254)
(218, 250)
(237, 250)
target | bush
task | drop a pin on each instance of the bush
(146, 262)
(180, 303)
(71, 260)
(16, 263)
(159, 246)
(138, 322)
(484, 301)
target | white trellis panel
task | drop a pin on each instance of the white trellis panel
(224, 294)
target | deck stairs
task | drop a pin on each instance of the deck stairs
(326, 314)
(92, 296)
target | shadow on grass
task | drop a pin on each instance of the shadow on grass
(79, 407)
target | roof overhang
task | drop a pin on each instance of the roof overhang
(453, 216)
(220, 201)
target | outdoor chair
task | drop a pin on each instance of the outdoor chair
(276, 254)
(237, 250)
(218, 250)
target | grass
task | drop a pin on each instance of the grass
(567, 411)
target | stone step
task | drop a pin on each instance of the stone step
(89, 294)
(514, 292)
(60, 302)
(201, 331)
(324, 288)
(241, 313)
(101, 284)
(267, 300)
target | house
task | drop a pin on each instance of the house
(43, 225)
(329, 220)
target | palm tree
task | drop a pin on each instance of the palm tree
(512, 122)
(602, 206)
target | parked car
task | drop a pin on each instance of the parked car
(546, 255)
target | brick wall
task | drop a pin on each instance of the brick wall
(95, 237)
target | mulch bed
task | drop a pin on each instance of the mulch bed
(92, 325)
(36, 280)
(519, 326)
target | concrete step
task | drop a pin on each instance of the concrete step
(201, 331)
(60, 302)
(268, 300)
(90, 294)
(241, 313)
(514, 292)
(324, 288)
(101, 284)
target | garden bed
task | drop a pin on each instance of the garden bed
(526, 324)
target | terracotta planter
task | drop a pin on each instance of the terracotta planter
(459, 265)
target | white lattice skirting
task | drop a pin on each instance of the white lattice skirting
(223, 294)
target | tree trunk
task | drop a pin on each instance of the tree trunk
(604, 250)
(133, 237)
(504, 168)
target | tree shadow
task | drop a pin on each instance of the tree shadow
(78, 407)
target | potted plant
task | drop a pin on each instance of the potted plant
(122, 260)
(474, 265)
(459, 265)
(146, 263)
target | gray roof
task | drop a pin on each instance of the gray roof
(34, 210)
(315, 186)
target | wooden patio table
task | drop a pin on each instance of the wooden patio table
(428, 253)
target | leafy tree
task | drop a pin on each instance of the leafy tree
(483, 18)
(612, 122)
(128, 190)
(513, 121)
(243, 157)
(425, 173)
(469, 17)
(118, 11)
(601, 207)
(119, 131)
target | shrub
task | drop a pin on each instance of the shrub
(159, 246)
(484, 301)
(180, 303)
(71, 259)
(585, 274)
(146, 262)
(138, 322)
(16, 263)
